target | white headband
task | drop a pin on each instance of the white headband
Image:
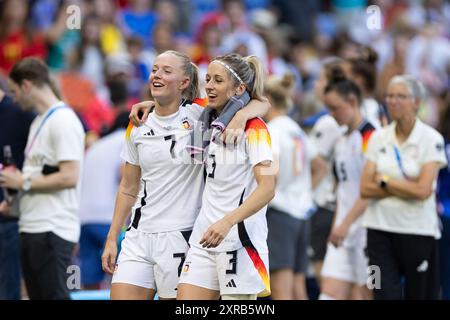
(231, 70)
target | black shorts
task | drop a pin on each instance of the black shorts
(321, 222)
(287, 241)
(409, 266)
(45, 261)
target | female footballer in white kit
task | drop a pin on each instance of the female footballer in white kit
(228, 255)
(159, 185)
(344, 270)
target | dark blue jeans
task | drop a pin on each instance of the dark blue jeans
(444, 252)
(9, 261)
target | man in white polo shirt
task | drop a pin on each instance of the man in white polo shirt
(48, 223)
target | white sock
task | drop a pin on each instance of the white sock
(324, 296)
(239, 297)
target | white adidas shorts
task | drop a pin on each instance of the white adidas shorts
(152, 260)
(243, 271)
(346, 263)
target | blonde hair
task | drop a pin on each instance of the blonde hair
(191, 71)
(250, 71)
(279, 90)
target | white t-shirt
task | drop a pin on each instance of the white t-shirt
(230, 181)
(170, 195)
(61, 138)
(101, 178)
(394, 214)
(295, 152)
(349, 163)
(324, 135)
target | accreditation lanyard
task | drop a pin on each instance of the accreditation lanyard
(47, 116)
(400, 162)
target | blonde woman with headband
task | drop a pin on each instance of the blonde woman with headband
(159, 186)
(399, 177)
(228, 257)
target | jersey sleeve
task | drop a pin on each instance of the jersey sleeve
(258, 141)
(129, 151)
(196, 108)
(324, 135)
(435, 150)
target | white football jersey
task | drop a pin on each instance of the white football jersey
(171, 187)
(229, 182)
(349, 163)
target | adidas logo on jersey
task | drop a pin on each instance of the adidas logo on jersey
(231, 284)
(149, 133)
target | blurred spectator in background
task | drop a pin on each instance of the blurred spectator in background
(300, 15)
(138, 19)
(420, 13)
(88, 59)
(344, 270)
(364, 73)
(139, 68)
(239, 37)
(427, 59)
(399, 177)
(61, 40)
(163, 38)
(111, 38)
(17, 39)
(289, 36)
(120, 101)
(207, 41)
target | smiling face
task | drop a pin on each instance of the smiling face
(167, 79)
(219, 86)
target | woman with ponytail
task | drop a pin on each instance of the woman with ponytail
(228, 257)
(300, 170)
(160, 185)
